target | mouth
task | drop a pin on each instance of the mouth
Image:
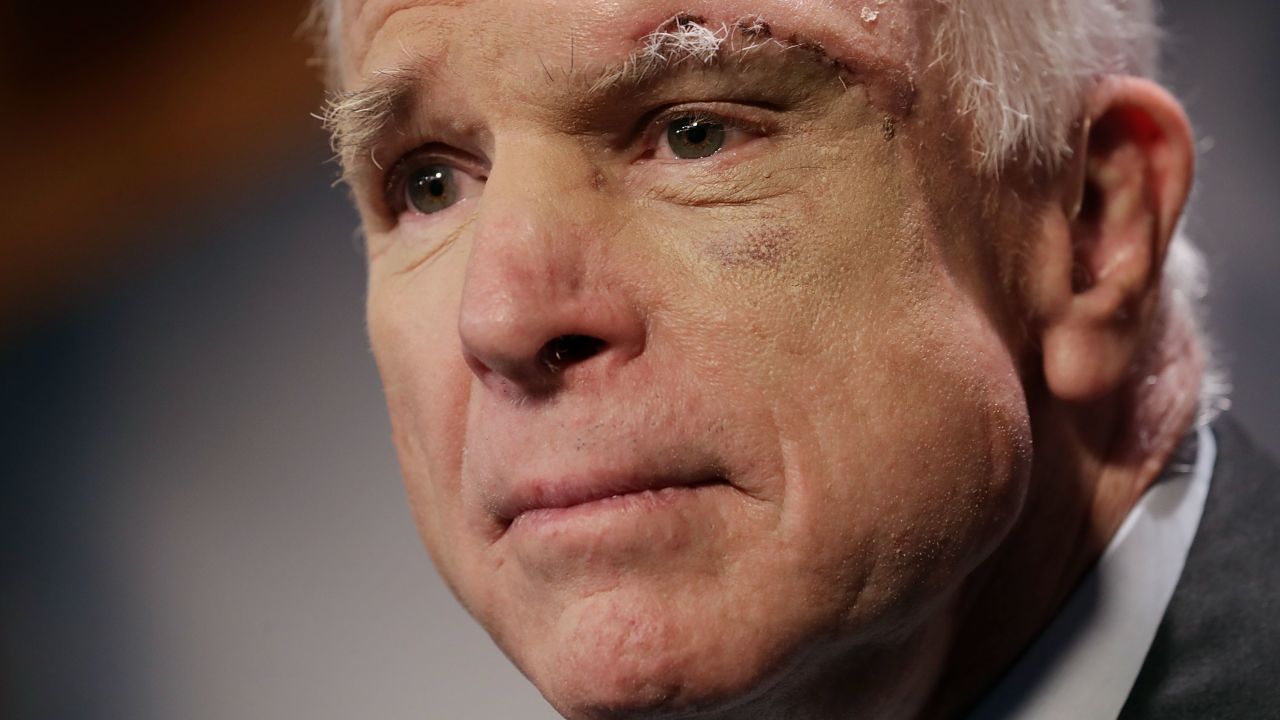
(542, 502)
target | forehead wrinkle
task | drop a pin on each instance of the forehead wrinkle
(371, 15)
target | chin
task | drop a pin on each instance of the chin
(637, 654)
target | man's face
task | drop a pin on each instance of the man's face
(690, 376)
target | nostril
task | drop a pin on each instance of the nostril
(561, 352)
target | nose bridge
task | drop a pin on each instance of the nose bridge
(524, 249)
(532, 306)
(530, 189)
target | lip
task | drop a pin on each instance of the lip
(546, 496)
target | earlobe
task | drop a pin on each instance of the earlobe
(1098, 267)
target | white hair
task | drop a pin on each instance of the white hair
(1021, 71)
(324, 26)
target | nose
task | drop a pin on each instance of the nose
(542, 300)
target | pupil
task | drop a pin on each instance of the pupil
(692, 139)
(431, 189)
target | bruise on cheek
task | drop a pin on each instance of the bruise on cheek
(761, 244)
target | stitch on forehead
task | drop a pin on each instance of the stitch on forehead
(685, 38)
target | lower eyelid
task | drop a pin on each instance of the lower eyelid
(415, 216)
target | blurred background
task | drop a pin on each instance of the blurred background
(201, 515)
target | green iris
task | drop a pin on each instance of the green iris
(692, 138)
(432, 188)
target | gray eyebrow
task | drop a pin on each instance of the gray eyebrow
(357, 120)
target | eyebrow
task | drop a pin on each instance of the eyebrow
(359, 121)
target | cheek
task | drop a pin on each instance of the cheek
(955, 467)
(902, 435)
(924, 447)
(413, 333)
(764, 244)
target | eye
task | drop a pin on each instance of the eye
(431, 188)
(692, 138)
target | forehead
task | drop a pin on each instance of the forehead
(377, 34)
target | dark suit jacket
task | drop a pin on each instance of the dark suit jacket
(1216, 654)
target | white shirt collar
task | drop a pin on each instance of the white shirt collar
(1083, 665)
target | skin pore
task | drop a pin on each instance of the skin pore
(862, 372)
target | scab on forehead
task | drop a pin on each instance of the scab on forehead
(889, 127)
(889, 86)
(690, 36)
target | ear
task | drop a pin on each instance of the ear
(1094, 272)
